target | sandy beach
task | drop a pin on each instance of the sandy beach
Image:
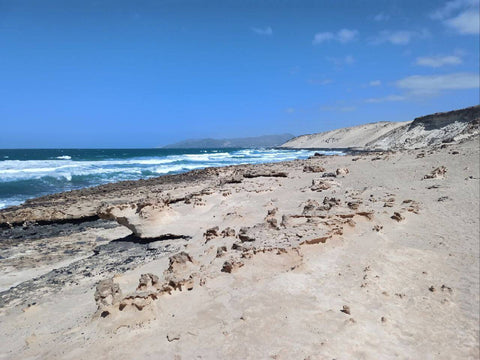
(241, 180)
(362, 256)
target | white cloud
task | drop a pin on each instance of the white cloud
(267, 31)
(346, 35)
(400, 37)
(451, 7)
(467, 22)
(349, 59)
(343, 36)
(320, 81)
(433, 84)
(460, 15)
(438, 61)
(321, 37)
(381, 17)
(385, 99)
(375, 83)
(339, 62)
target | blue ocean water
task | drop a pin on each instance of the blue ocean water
(30, 173)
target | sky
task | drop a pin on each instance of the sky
(120, 74)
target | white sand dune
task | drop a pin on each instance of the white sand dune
(423, 131)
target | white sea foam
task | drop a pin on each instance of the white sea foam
(64, 173)
(120, 169)
(64, 157)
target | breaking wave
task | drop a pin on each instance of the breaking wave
(25, 178)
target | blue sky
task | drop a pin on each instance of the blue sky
(148, 73)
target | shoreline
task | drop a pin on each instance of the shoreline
(173, 177)
(190, 176)
(48, 176)
(319, 255)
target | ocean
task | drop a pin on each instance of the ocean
(29, 173)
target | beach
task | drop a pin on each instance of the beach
(362, 256)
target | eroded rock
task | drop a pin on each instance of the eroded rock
(320, 185)
(342, 171)
(397, 216)
(437, 173)
(228, 232)
(313, 168)
(244, 236)
(271, 219)
(265, 173)
(148, 282)
(180, 259)
(231, 265)
(107, 294)
(211, 233)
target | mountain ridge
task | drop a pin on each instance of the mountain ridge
(241, 142)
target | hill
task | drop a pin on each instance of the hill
(247, 142)
(423, 131)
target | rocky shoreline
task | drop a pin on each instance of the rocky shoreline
(365, 255)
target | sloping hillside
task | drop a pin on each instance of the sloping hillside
(351, 137)
(431, 130)
(423, 131)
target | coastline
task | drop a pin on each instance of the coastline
(346, 256)
(27, 174)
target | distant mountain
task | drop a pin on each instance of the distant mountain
(248, 142)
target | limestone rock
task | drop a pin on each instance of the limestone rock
(271, 220)
(221, 250)
(313, 168)
(342, 171)
(107, 294)
(265, 173)
(354, 205)
(437, 173)
(397, 216)
(211, 233)
(320, 185)
(244, 236)
(182, 258)
(228, 232)
(148, 282)
(229, 266)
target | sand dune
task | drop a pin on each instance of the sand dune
(423, 131)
